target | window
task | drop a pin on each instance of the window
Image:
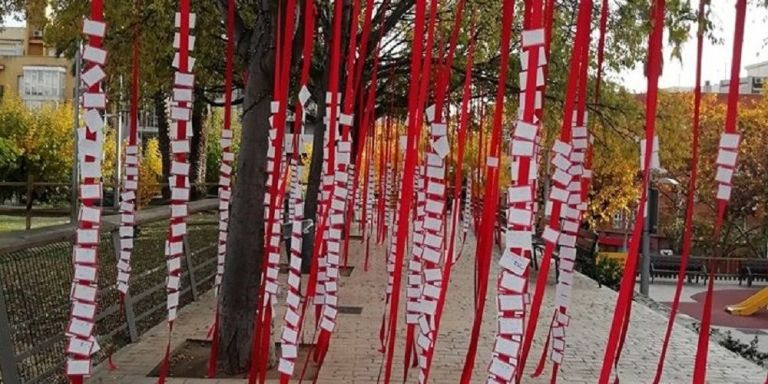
(618, 220)
(148, 120)
(11, 48)
(41, 85)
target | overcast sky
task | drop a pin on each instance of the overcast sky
(716, 59)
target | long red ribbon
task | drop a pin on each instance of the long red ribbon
(180, 181)
(349, 102)
(576, 67)
(443, 69)
(601, 47)
(581, 122)
(282, 71)
(406, 190)
(308, 43)
(228, 72)
(483, 253)
(333, 89)
(688, 232)
(702, 349)
(97, 14)
(364, 105)
(463, 123)
(624, 299)
(423, 95)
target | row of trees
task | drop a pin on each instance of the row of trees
(39, 143)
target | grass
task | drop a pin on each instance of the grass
(36, 282)
(18, 223)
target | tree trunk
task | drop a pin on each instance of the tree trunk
(164, 139)
(197, 155)
(314, 178)
(240, 284)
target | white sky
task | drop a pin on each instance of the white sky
(11, 22)
(716, 59)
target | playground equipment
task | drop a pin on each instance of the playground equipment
(751, 305)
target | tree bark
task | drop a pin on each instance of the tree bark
(197, 155)
(315, 175)
(242, 271)
(164, 139)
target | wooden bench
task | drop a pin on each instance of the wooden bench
(664, 266)
(753, 269)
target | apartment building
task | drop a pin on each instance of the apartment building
(30, 70)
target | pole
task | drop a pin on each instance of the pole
(30, 189)
(76, 123)
(645, 271)
(9, 372)
(118, 143)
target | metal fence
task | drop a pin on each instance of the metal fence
(35, 282)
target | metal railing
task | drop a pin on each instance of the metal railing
(33, 199)
(35, 280)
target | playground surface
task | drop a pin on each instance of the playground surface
(726, 293)
(354, 356)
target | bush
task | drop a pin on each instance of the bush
(747, 351)
(37, 142)
(150, 172)
(608, 272)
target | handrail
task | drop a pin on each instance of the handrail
(17, 240)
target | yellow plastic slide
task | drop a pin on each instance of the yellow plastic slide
(751, 305)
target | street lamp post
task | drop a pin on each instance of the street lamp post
(645, 273)
(645, 270)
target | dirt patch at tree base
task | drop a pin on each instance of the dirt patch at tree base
(190, 360)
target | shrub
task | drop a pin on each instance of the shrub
(150, 172)
(747, 351)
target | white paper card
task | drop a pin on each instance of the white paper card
(94, 55)
(533, 37)
(729, 140)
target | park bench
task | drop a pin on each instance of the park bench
(753, 269)
(669, 266)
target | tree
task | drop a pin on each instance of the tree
(42, 140)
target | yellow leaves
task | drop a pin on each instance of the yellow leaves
(150, 171)
(42, 140)
(109, 152)
(616, 156)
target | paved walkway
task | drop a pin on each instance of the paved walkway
(353, 356)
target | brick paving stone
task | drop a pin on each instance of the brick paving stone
(354, 357)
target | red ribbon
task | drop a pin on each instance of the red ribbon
(702, 349)
(580, 121)
(483, 253)
(688, 232)
(184, 29)
(349, 101)
(601, 47)
(282, 71)
(97, 14)
(624, 299)
(321, 345)
(406, 190)
(467, 91)
(577, 70)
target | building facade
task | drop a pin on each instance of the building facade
(31, 71)
(752, 84)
